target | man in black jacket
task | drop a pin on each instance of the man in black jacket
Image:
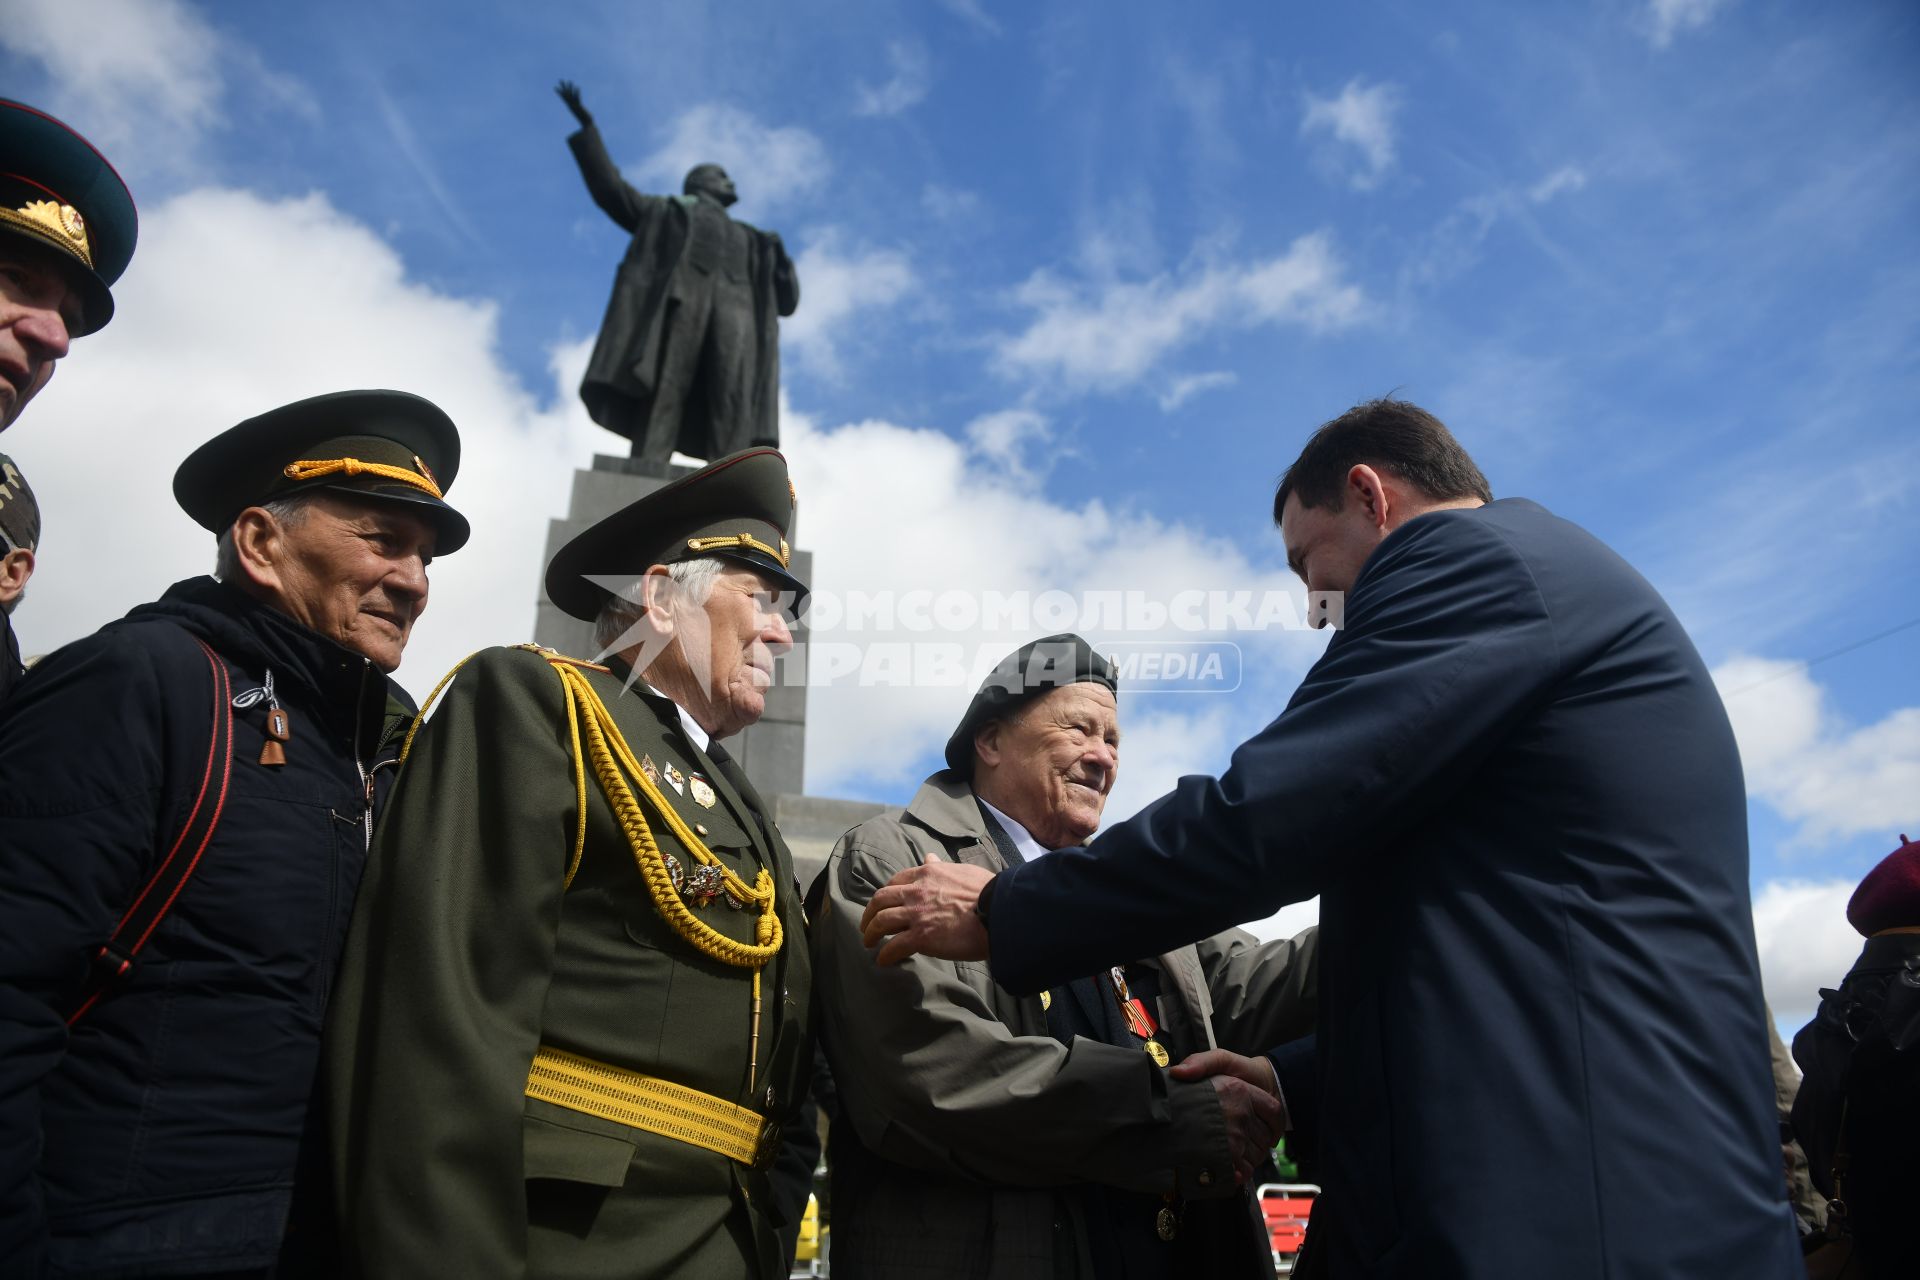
(158, 1037)
(1514, 787)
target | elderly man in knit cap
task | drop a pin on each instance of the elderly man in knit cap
(986, 1134)
(67, 228)
(19, 539)
(189, 795)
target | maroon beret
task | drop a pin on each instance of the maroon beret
(1889, 898)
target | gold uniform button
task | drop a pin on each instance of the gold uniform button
(1206, 1177)
(698, 829)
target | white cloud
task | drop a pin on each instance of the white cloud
(1567, 177)
(1114, 334)
(836, 284)
(771, 165)
(1665, 19)
(949, 204)
(1011, 440)
(888, 510)
(1361, 117)
(144, 80)
(971, 12)
(911, 78)
(1185, 388)
(1805, 943)
(1832, 778)
(132, 69)
(180, 364)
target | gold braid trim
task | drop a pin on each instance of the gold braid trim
(613, 766)
(720, 541)
(314, 468)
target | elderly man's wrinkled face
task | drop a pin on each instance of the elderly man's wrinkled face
(39, 308)
(1050, 766)
(356, 572)
(744, 632)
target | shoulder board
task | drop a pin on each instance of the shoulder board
(555, 657)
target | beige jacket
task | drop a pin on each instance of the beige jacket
(966, 1113)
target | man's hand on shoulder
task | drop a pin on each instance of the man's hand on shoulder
(929, 910)
(1249, 1095)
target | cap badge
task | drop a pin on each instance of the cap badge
(59, 223)
(420, 465)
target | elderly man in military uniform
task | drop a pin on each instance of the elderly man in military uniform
(688, 356)
(67, 227)
(574, 1008)
(19, 541)
(189, 795)
(1044, 1137)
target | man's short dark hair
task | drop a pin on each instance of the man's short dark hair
(1388, 435)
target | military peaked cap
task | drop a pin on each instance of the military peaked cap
(60, 193)
(388, 445)
(19, 512)
(1037, 667)
(739, 507)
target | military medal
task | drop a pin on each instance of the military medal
(1046, 1001)
(1166, 1223)
(676, 779)
(650, 770)
(701, 790)
(1141, 1023)
(675, 872)
(705, 884)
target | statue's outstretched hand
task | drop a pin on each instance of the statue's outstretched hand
(570, 94)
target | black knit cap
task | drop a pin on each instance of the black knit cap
(739, 507)
(1037, 667)
(59, 193)
(389, 445)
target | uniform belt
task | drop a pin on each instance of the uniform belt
(657, 1106)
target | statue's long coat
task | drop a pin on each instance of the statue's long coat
(633, 335)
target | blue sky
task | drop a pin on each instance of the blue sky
(1077, 279)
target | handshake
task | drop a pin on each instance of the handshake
(1249, 1094)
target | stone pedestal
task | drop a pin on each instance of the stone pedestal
(772, 751)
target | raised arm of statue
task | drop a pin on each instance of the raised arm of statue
(613, 193)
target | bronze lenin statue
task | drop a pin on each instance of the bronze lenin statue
(688, 356)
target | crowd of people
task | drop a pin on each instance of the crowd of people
(299, 979)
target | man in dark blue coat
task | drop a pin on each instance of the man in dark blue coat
(1512, 784)
(156, 1073)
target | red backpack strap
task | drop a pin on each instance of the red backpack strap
(114, 961)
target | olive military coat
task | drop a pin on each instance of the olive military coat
(469, 950)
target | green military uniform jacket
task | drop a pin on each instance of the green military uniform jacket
(466, 955)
